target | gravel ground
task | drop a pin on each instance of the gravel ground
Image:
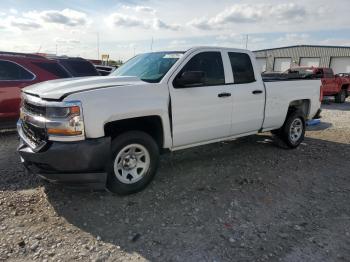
(245, 200)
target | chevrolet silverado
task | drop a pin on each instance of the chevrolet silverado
(109, 132)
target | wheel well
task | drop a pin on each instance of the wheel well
(151, 125)
(345, 87)
(303, 105)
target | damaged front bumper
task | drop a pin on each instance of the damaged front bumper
(81, 163)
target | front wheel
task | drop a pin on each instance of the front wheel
(135, 157)
(341, 96)
(293, 131)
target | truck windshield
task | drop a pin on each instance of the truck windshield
(149, 67)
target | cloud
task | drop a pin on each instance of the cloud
(18, 23)
(66, 17)
(159, 24)
(201, 23)
(122, 20)
(252, 13)
(128, 21)
(13, 11)
(140, 9)
(24, 24)
(145, 9)
(35, 20)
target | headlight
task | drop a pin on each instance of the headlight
(62, 112)
(65, 123)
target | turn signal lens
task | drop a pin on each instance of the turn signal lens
(64, 132)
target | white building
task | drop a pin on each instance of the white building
(282, 58)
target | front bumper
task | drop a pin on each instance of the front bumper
(81, 163)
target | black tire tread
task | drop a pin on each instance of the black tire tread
(338, 97)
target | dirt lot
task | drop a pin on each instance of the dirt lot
(245, 200)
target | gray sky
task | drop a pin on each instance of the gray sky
(125, 27)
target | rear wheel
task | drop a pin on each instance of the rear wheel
(135, 157)
(341, 96)
(292, 132)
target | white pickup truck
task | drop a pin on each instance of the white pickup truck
(109, 131)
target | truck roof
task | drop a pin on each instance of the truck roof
(220, 47)
(205, 47)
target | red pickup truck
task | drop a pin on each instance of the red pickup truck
(332, 85)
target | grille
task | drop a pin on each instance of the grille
(34, 109)
(36, 135)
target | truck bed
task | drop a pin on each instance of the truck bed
(280, 92)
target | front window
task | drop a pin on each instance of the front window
(209, 65)
(149, 67)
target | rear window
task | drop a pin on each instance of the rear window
(79, 68)
(53, 68)
(242, 68)
(12, 71)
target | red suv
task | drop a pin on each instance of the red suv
(18, 71)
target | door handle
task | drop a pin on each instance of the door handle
(256, 92)
(221, 95)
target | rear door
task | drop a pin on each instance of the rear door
(201, 113)
(248, 95)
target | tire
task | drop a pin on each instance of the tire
(292, 132)
(341, 96)
(135, 157)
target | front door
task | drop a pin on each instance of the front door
(201, 112)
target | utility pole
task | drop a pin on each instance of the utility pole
(98, 45)
(246, 41)
(152, 44)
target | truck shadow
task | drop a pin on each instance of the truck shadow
(319, 127)
(247, 190)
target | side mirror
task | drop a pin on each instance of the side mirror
(190, 79)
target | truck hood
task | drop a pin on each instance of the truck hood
(60, 88)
